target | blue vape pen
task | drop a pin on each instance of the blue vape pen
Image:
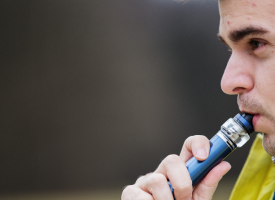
(234, 133)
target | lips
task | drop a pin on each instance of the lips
(255, 119)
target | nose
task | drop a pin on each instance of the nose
(238, 75)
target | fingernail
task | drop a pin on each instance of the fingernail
(201, 153)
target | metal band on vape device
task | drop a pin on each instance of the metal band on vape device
(229, 143)
(235, 132)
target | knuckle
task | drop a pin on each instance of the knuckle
(128, 192)
(185, 187)
(203, 196)
(196, 141)
(200, 138)
(210, 187)
(188, 142)
(190, 138)
(157, 179)
(172, 159)
(132, 192)
(139, 180)
(143, 178)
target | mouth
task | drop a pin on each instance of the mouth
(255, 117)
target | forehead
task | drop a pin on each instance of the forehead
(235, 14)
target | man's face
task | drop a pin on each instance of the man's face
(248, 28)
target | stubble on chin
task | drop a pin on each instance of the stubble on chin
(269, 143)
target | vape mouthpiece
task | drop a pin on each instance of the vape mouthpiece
(248, 118)
(246, 122)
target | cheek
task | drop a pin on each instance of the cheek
(265, 83)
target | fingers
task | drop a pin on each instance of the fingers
(206, 188)
(174, 169)
(156, 184)
(132, 192)
(197, 146)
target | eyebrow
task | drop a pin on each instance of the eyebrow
(238, 35)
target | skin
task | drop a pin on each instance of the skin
(250, 72)
(247, 28)
(154, 186)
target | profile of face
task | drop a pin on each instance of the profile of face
(247, 27)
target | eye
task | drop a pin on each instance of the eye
(255, 44)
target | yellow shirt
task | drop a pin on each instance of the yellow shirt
(257, 178)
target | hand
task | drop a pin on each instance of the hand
(154, 186)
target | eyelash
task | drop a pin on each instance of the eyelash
(254, 44)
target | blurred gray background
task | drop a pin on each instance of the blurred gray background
(96, 93)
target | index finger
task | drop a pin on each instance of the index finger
(174, 169)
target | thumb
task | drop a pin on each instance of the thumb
(206, 188)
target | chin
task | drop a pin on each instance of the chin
(269, 143)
